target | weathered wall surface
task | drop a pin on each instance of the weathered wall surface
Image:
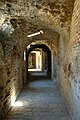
(10, 75)
(70, 66)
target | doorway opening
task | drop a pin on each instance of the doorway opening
(38, 62)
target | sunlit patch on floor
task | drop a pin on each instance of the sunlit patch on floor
(17, 104)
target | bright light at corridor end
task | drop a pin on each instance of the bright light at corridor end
(37, 33)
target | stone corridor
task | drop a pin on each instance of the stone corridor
(40, 100)
(41, 35)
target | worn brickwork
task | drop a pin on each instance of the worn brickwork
(70, 67)
(74, 62)
(10, 79)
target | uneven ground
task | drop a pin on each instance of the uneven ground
(41, 100)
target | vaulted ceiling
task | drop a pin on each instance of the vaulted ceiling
(28, 16)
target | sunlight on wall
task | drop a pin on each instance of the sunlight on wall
(2, 18)
(13, 98)
(17, 103)
(37, 33)
(7, 28)
(38, 60)
(24, 55)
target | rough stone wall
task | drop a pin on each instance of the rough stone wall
(74, 62)
(70, 66)
(10, 77)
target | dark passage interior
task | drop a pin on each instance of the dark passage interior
(39, 62)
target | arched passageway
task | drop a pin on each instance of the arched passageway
(39, 60)
(40, 98)
(40, 57)
(51, 23)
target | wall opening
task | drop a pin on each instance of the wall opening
(38, 59)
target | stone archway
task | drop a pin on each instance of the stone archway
(54, 58)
